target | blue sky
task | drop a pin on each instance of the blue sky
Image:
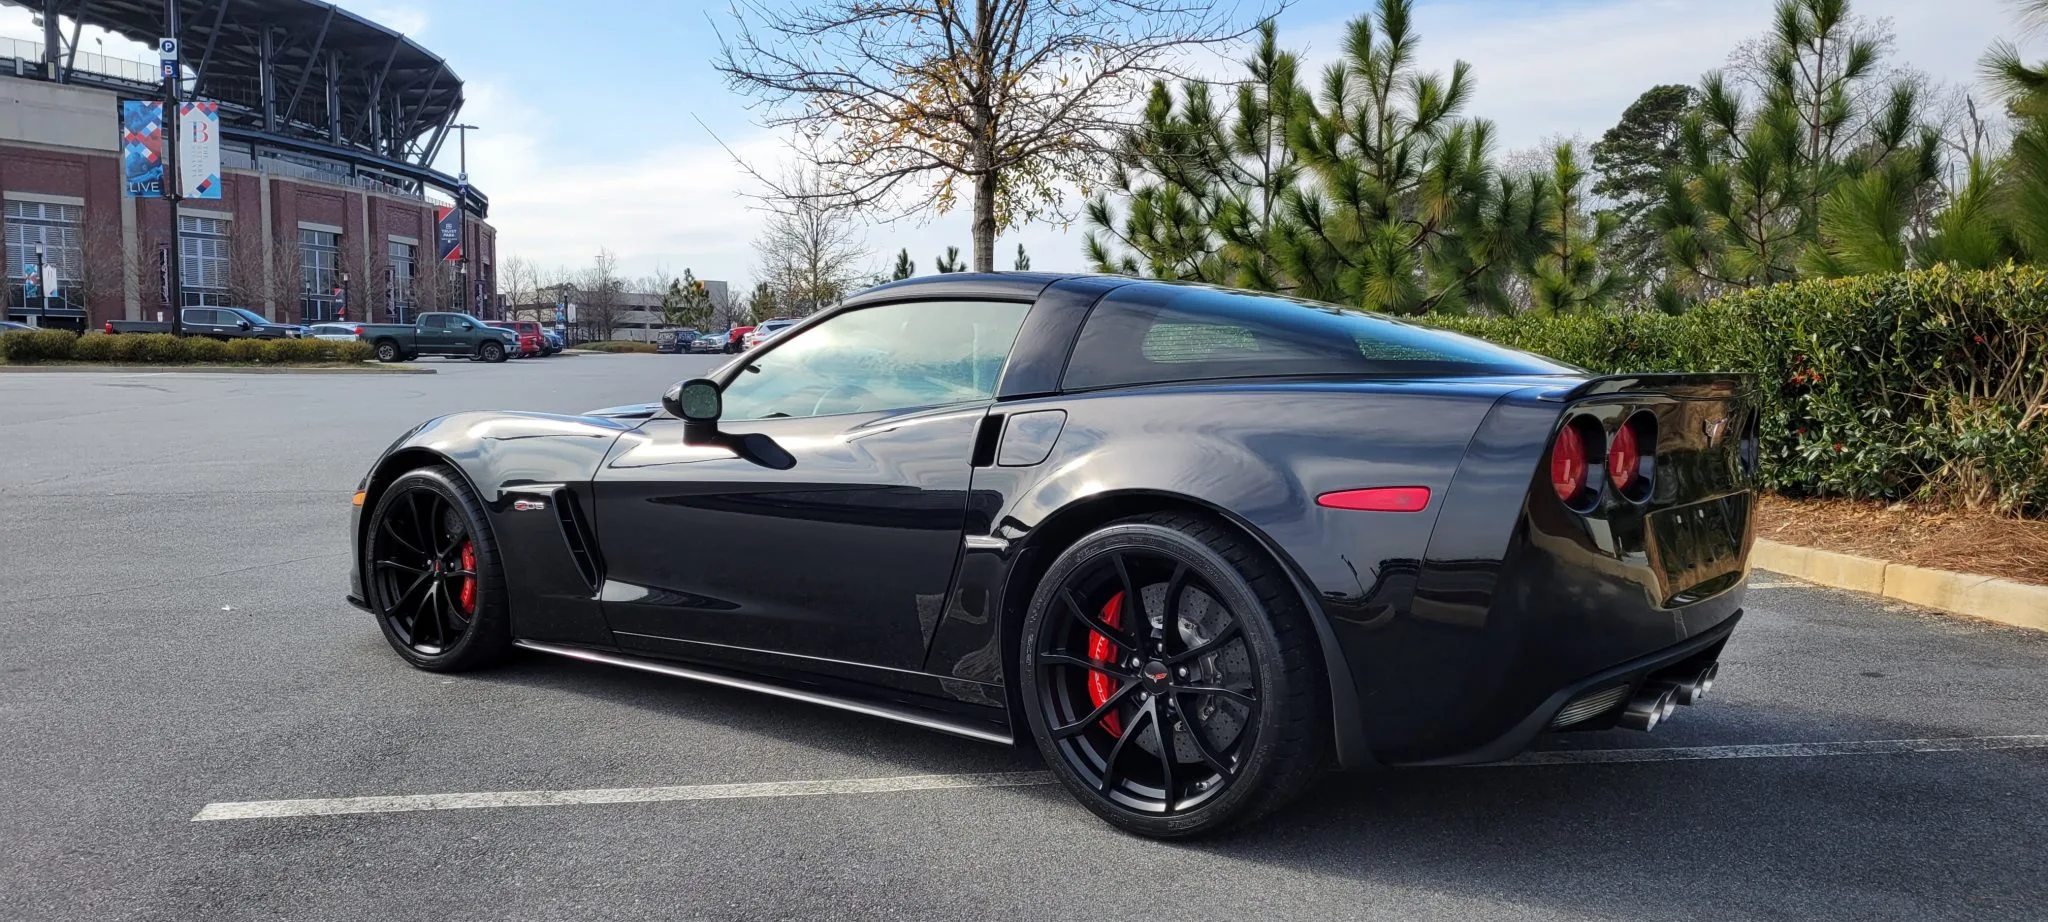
(589, 109)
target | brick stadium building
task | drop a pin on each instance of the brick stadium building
(330, 124)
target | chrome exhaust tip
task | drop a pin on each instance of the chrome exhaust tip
(1650, 706)
(1693, 689)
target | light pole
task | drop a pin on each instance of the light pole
(462, 207)
(173, 189)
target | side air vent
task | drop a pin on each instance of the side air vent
(1588, 706)
(575, 531)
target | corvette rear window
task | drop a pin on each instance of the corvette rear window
(1136, 336)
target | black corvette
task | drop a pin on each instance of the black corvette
(1198, 545)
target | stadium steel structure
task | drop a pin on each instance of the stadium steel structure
(291, 76)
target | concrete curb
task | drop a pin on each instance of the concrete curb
(1988, 597)
(213, 370)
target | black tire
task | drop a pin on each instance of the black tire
(388, 351)
(1273, 744)
(456, 638)
(491, 352)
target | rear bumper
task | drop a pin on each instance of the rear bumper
(1693, 652)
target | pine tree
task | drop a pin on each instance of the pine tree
(1632, 158)
(1570, 275)
(904, 267)
(950, 261)
(1023, 261)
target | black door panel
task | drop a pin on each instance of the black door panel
(847, 556)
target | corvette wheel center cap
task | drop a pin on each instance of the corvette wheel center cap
(1154, 675)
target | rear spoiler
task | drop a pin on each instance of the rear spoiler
(1710, 385)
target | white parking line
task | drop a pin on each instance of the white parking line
(1775, 750)
(408, 803)
(331, 806)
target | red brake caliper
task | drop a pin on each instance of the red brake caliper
(1100, 684)
(467, 598)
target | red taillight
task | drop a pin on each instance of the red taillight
(1568, 464)
(1378, 499)
(359, 331)
(1623, 459)
(110, 326)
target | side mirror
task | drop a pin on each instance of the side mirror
(244, 324)
(698, 404)
(468, 326)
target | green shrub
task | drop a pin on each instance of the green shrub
(243, 350)
(158, 348)
(618, 346)
(1930, 384)
(94, 347)
(28, 346)
(205, 349)
(353, 352)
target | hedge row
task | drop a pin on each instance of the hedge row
(617, 346)
(1928, 384)
(25, 347)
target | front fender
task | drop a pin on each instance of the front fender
(504, 456)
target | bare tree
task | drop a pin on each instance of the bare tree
(1015, 99)
(519, 280)
(597, 298)
(810, 249)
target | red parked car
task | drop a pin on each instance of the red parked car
(736, 338)
(531, 342)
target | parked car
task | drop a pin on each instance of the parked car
(9, 326)
(554, 340)
(709, 343)
(1196, 545)
(675, 342)
(453, 335)
(736, 338)
(531, 343)
(335, 332)
(217, 322)
(766, 331)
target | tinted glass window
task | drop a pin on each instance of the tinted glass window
(891, 357)
(1136, 336)
(435, 322)
(244, 314)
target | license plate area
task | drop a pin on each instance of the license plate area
(1697, 550)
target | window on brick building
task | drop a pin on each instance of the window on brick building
(319, 275)
(203, 263)
(404, 258)
(60, 231)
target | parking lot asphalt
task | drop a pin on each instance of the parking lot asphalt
(173, 635)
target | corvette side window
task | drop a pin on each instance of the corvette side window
(891, 357)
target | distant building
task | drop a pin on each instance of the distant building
(636, 316)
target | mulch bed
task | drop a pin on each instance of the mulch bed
(1960, 540)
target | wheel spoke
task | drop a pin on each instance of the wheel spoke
(422, 523)
(1134, 601)
(1206, 647)
(398, 600)
(1064, 659)
(1163, 735)
(1109, 764)
(395, 565)
(1169, 615)
(1095, 624)
(1107, 705)
(1230, 693)
(1209, 754)
(392, 530)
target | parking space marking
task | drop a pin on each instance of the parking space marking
(1776, 750)
(409, 803)
(333, 806)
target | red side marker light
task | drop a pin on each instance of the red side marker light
(1378, 499)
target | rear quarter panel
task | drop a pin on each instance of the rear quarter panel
(1257, 454)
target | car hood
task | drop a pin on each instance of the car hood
(628, 411)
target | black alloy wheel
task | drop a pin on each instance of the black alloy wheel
(387, 351)
(492, 352)
(432, 576)
(1171, 677)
